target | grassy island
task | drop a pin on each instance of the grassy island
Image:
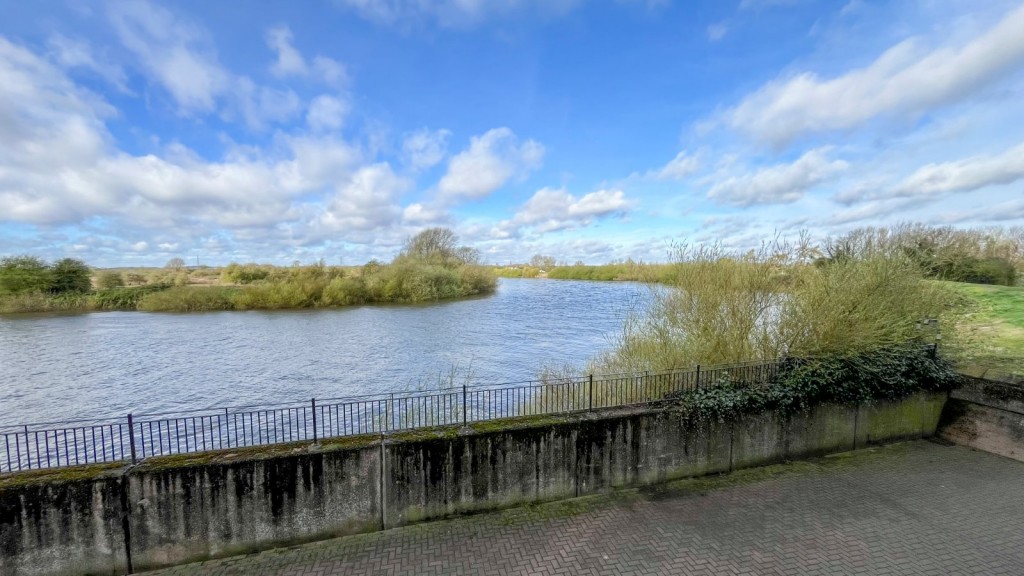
(430, 267)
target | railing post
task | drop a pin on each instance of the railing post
(591, 378)
(465, 395)
(391, 411)
(697, 384)
(131, 436)
(28, 450)
(315, 438)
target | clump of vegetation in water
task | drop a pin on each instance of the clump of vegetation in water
(431, 266)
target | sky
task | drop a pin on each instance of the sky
(133, 132)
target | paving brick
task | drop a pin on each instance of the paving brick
(917, 508)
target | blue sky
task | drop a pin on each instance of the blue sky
(134, 132)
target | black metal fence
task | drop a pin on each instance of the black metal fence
(139, 436)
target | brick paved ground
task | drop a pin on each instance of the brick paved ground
(915, 508)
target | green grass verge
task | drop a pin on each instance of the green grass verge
(994, 324)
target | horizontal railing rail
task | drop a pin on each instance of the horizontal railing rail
(136, 437)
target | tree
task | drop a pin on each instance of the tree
(175, 264)
(23, 274)
(109, 279)
(433, 245)
(543, 262)
(70, 276)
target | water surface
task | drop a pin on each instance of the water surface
(55, 367)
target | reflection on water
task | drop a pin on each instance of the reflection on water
(59, 367)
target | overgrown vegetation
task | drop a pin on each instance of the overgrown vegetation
(724, 307)
(431, 266)
(982, 256)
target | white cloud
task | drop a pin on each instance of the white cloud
(491, 160)
(369, 201)
(289, 61)
(551, 209)
(678, 168)
(420, 214)
(330, 71)
(167, 246)
(425, 148)
(174, 52)
(327, 113)
(262, 105)
(991, 213)
(717, 31)
(778, 184)
(907, 79)
(140, 246)
(59, 164)
(964, 175)
(73, 54)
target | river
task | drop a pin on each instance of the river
(58, 367)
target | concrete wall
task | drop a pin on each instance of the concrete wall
(987, 413)
(187, 508)
(63, 526)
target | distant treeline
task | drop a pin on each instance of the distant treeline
(430, 267)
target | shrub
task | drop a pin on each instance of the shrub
(724, 308)
(125, 298)
(70, 276)
(19, 274)
(188, 299)
(107, 280)
(243, 273)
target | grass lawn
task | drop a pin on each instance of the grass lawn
(995, 324)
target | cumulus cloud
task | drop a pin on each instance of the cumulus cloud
(778, 184)
(420, 214)
(367, 202)
(964, 175)
(60, 165)
(425, 148)
(491, 160)
(552, 209)
(907, 79)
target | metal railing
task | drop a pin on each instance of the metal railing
(139, 436)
